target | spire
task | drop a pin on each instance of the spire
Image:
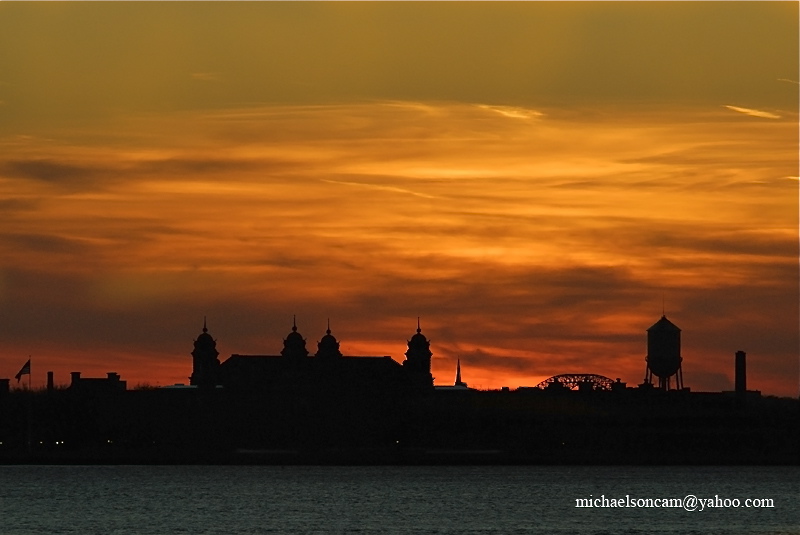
(328, 347)
(459, 383)
(294, 346)
(419, 349)
(205, 364)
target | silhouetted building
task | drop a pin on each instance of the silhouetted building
(293, 407)
(205, 364)
(97, 385)
(619, 386)
(664, 354)
(294, 370)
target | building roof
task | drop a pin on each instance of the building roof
(664, 325)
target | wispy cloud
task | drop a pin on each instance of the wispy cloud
(513, 111)
(526, 250)
(754, 113)
(380, 187)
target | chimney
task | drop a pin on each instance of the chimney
(76, 378)
(50, 386)
(741, 373)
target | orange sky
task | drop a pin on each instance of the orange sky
(530, 179)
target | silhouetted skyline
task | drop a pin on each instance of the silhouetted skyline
(530, 178)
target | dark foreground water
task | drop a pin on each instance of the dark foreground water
(243, 500)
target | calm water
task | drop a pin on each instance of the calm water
(445, 500)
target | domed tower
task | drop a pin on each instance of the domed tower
(664, 354)
(205, 364)
(328, 347)
(418, 359)
(294, 347)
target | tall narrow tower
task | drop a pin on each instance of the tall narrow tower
(205, 364)
(418, 359)
(459, 382)
(664, 354)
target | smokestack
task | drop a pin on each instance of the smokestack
(50, 385)
(741, 373)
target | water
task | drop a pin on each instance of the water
(390, 500)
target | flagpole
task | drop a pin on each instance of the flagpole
(30, 409)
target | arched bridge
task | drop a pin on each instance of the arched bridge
(577, 381)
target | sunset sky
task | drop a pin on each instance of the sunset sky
(532, 179)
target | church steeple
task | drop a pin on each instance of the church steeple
(459, 382)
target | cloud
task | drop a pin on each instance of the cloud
(527, 248)
(49, 170)
(50, 244)
(17, 205)
(513, 112)
(754, 113)
(379, 187)
(194, 165)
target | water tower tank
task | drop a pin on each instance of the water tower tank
(664, 351)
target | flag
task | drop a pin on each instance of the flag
(26, 370)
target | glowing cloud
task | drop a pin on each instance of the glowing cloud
(754, 113)
(556, 238)
(380, 187)
(517, 173)
(513, 112)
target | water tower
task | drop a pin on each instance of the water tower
(664, 354)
